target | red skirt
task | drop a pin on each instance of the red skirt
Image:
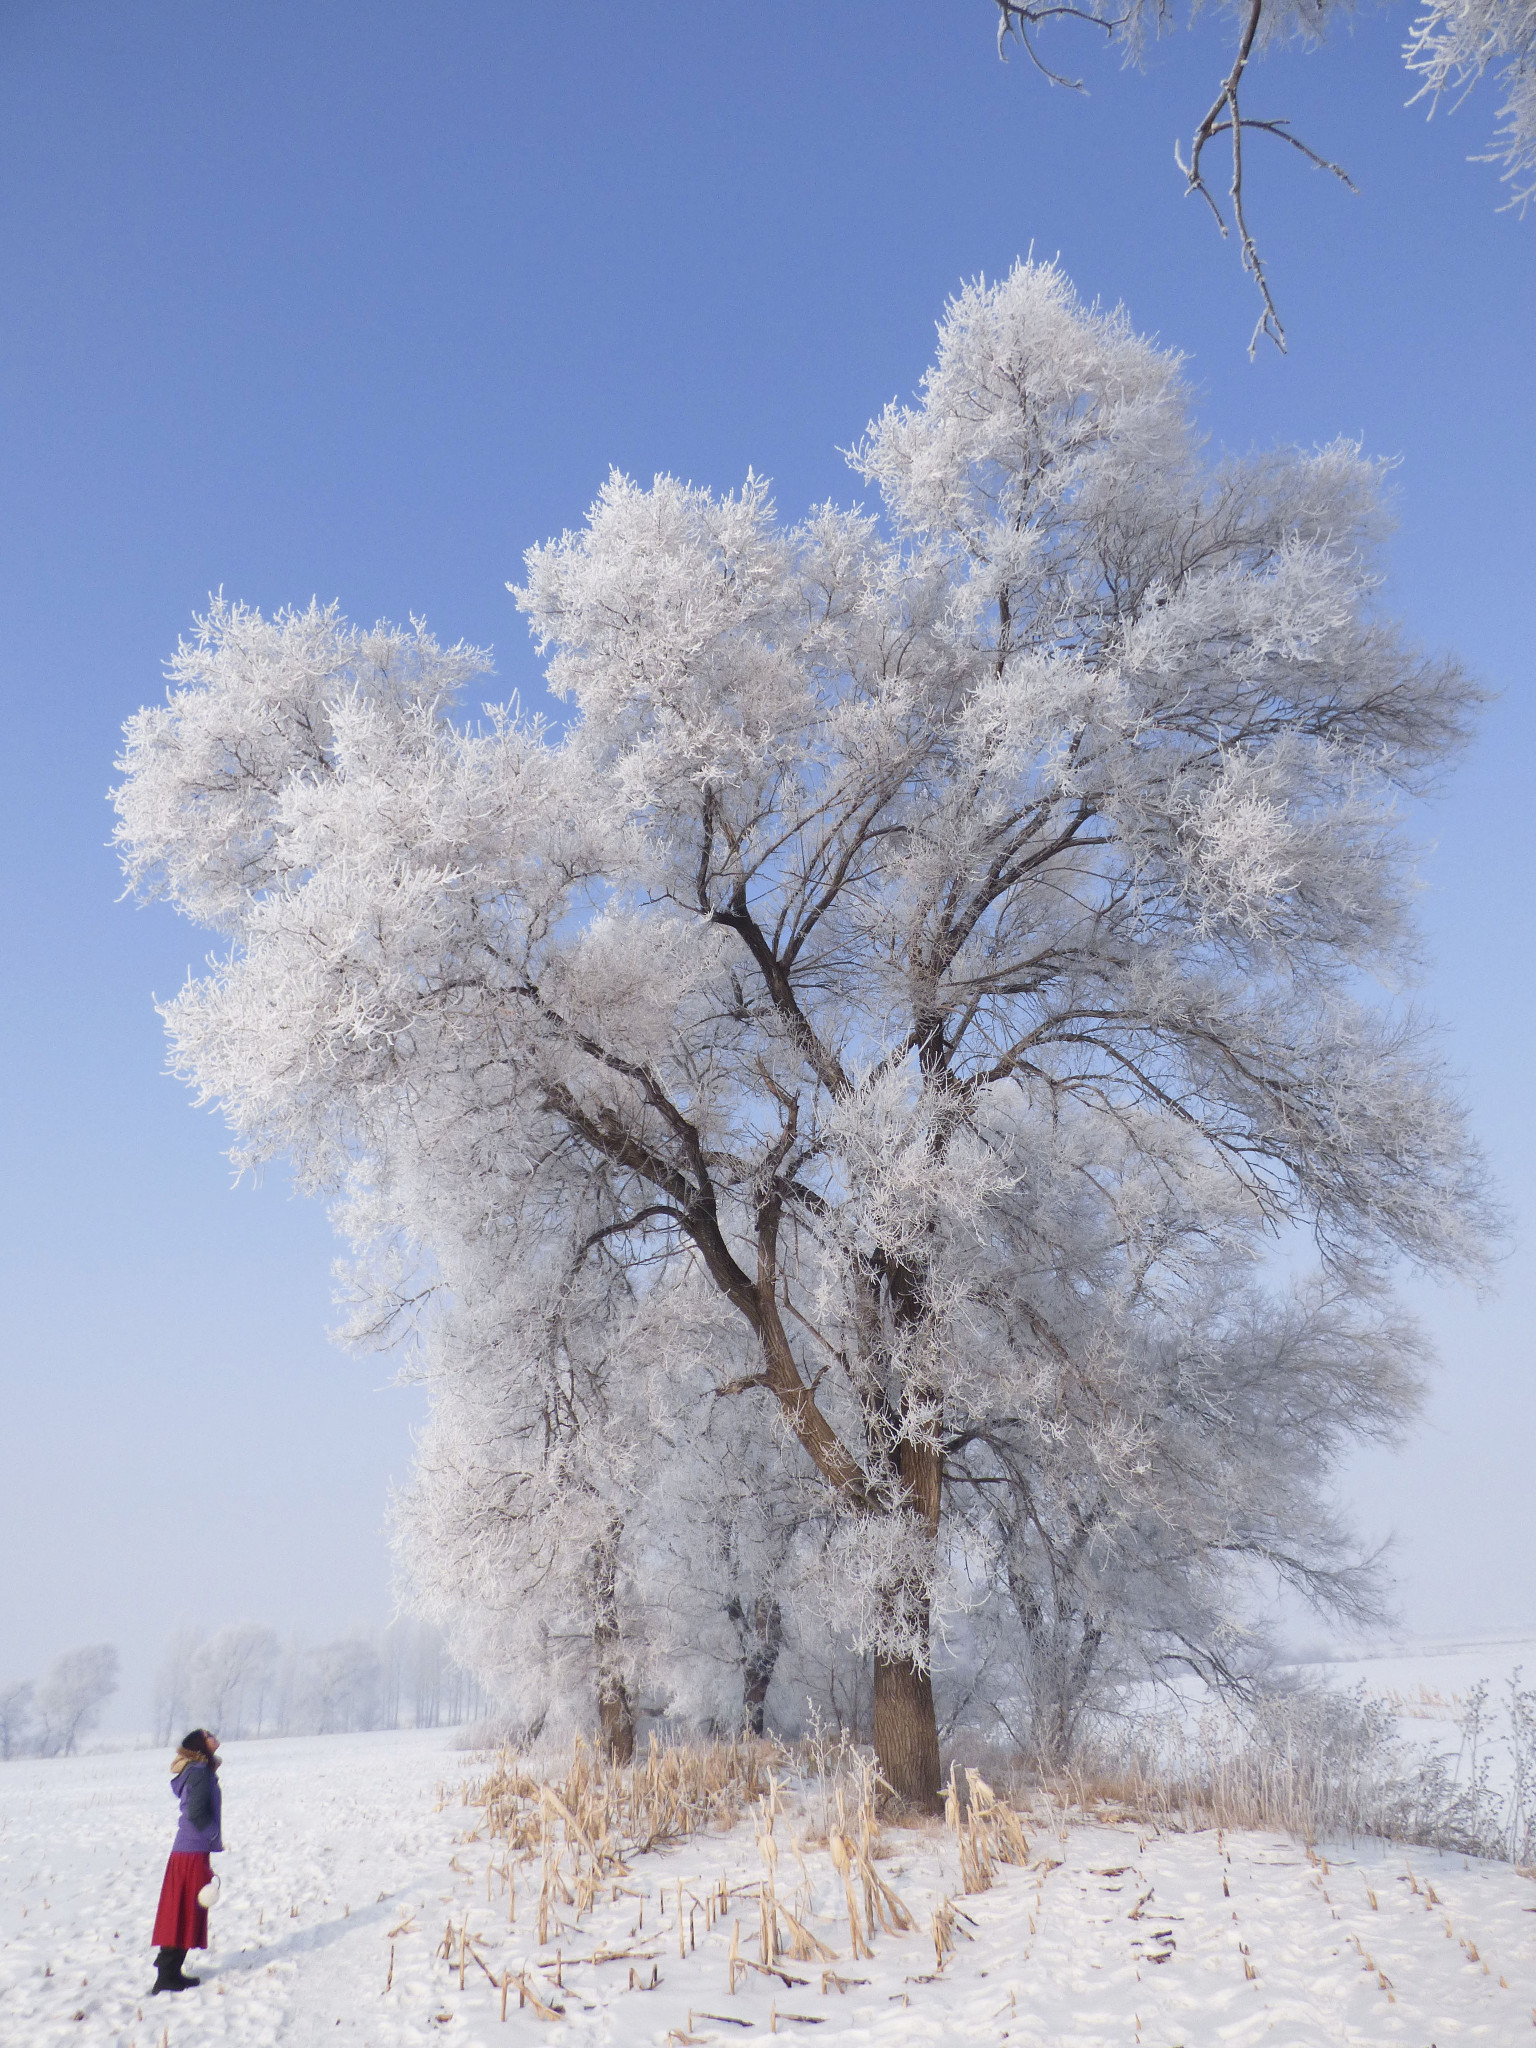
(181, 1922)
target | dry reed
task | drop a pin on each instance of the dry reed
(1315, 1764)
(579, 1832)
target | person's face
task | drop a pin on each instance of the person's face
(213, 1743)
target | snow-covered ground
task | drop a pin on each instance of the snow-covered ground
(1430, 1685)
(346, 1866)
(1430, 1682)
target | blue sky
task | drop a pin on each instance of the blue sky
(361, 300)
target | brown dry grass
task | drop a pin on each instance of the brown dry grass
(585, 1825)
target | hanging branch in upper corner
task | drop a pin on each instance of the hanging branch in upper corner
(1450, 47)
(1226, 103)
(1261, 22)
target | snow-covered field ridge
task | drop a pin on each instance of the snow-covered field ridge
(1433, 1681)
(346, 1870)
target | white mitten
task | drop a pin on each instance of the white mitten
(208, 1896)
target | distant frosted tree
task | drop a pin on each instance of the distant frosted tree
(71, 1698)
(15, 1718)
(426, 1679)
(394, 1659)
(463, 1694)
(287, 1691)
(231, 1676)
(174, 1706)
(342, 1683)
(874, 850)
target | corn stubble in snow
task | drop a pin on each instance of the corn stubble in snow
(580, 1835)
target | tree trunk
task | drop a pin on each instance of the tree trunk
(907, 1732)
(615, 1703)
(760, 1662)
(906, 1727)
(616, 1719)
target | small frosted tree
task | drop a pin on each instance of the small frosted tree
(517, 1531)
(426, 1679)
(734, 1537)
(341, 1685)
(231, 1676)
(874, 847)
(174, 1683)
(71, 1697)
(1146, 1553)
(524, 1563)
(15, 1718)
(582, 1554)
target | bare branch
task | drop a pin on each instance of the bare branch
(1016, 19)
(1224, 116)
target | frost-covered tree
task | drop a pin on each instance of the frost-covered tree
(517, 1531)
(231, 1676)
(1451, 46)
(627, 1561)
(173, 1695)
(579, 1520)
(411, 1661)
(585, 1557)
(1144, 1553)
(735, 1546)
(429, 1677)
(72, 1695)
(327, 1688)
(876, 851)
(1455, 43)
(524, 1563)
(341, 1686)
(15, 1718)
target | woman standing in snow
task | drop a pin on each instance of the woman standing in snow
(182, 1920)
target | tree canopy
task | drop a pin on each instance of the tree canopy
(938, 949)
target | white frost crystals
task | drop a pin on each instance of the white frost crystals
(1454, 42)
(868, 1055)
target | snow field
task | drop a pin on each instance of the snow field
(348, 1867)
(1428, 1684)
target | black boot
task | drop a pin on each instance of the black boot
(169, 1974)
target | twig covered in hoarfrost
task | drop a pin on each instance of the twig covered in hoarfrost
(1454, 43)
(1451, 46)
(1226, 117)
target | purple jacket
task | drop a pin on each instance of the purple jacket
(202, 1811)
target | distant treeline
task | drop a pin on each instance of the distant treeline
(244, 1680)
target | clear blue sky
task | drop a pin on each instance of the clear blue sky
(360, 300)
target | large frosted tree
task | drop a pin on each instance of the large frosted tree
(1059, 794)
